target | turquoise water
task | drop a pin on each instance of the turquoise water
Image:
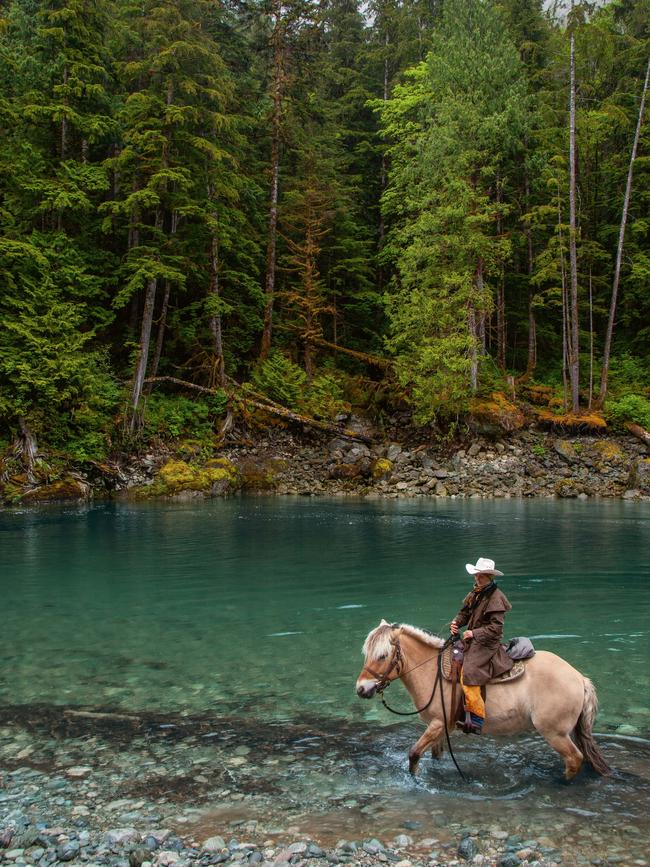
(260, 606)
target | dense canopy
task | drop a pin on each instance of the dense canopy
(328, 202)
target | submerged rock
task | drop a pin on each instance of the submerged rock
(467, 849)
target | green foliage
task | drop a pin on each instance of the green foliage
(324, 397)
(628, 374)
(168, 417)
(280, 379)
(50, 372)
(630, 407)
(286, 383)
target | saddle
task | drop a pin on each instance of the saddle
(450, 658)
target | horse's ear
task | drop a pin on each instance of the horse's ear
(384, 622)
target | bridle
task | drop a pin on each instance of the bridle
(396, 662)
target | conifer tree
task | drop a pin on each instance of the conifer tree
(453, 126)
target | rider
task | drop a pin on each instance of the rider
(483, 611)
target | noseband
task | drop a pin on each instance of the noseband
(396, 662)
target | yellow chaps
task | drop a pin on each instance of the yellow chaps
(473, 699)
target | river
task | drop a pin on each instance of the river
(255, 609)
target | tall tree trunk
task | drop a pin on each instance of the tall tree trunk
(276, 129)
(160, 336)
(591, 340)
(28, 449)
(473, 352)
(64, 119)
(383, 176)
(134, 241)
(565, 338)
(501, 302)
(574, 329)
(619, 251)
(474, 328)
(162, 321)
(145, 340)
(531, 363)
(215, 320)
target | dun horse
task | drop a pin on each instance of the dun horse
(551, 696)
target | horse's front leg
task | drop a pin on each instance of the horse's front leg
(432, 733)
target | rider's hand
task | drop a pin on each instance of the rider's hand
(468, 634)
(454, 627)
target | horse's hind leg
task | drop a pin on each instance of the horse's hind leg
(437, 748)
(432, 734)
(572, 756)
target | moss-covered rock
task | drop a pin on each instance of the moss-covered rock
(494, 416)
(381, 469)
(260, 474)
(566, 451)
(605, 455)
(607, 450)
(567, 488)
(66, 488)
(175, 478)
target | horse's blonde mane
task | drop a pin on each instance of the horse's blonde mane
(378, 644)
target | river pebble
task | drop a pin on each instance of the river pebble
(185, 803)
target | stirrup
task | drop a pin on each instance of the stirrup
(468, 725)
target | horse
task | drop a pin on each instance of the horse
(551, 697)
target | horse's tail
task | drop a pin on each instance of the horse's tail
(583, 732)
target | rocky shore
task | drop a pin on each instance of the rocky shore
(111, 789)
(526, 463)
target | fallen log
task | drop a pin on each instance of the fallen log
(639, 432)
(373, 360)
(270, 407)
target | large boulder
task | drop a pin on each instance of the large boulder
(566, 451)
(67, 488)
(569, 488)
(357, 471)
(259, 473)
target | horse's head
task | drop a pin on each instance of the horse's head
(382, 659)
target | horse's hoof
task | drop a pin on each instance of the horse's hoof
(413, 765)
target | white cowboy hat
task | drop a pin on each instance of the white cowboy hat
(483, 566)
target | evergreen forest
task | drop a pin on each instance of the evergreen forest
(208, 206)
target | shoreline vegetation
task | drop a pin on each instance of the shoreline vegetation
(504, 450)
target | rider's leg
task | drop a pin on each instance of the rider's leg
(474, 707)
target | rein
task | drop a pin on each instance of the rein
(397, 662)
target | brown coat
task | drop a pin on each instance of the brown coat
(485, 658)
